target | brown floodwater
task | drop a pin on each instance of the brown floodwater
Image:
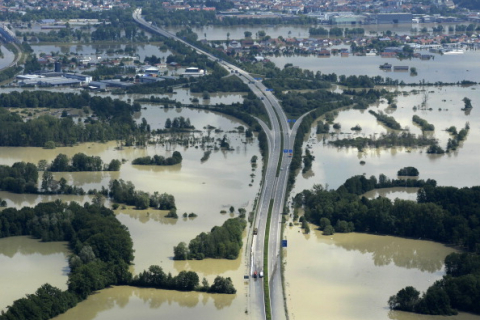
(459, 168)
(140, 303)
(339, 277)
(351, 276)
(27, 263)
(204, 188)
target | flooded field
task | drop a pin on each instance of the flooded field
(459, 168)
(204, 188)
(445, 68)
(351, 276)
(294, 31)
(27, 264)
(182, 95)
(106, 50)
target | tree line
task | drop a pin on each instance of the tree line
(124, 192)
(389, 139)
(178, 123)
(424, 124)
(441, 214)
(155, 277)
(221, 242)
(386, 120)
(113, 120)
(82, 162)
(21, 177)
(157, 160)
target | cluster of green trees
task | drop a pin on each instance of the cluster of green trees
(9, 72)
(322, 127)
(454, 142)
(124, 192)
(297, 103)
(82, 162)
(165, 100)
(21, 177)
(103, 72)
(155, 277)
(336, 32)
(178, 123)
(444, 214)
(101, 245)
(307, 161)
(408, 172)
(320, 31)
(283, 84)
(114, 119)
(215, 83)
(386, 120)
(424, 124)
(159, 87)
(157, 160)
(63, 35)
(458, 289)
(220, 242)
(120, 24)
(356, 81)
(390, 139)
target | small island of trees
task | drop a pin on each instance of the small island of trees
(408, 172)
(157, 160)
(388, 121)
(221, 242)
(82, 162)
(423, 123)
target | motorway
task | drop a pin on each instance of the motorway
(280, 137)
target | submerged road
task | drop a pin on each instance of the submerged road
(273, 189)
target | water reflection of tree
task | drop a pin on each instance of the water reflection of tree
(403, 253)
(27, 246)
(145, 216)
(209, 267)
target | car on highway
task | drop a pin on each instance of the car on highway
(255, 274)
(261, 274)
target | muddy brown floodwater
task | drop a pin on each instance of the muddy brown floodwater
(205, 188)
(27, 263)
(351, 276)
